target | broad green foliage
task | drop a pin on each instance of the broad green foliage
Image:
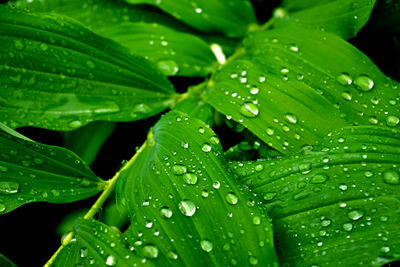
(292, 86)
(143, 29)
(313, 177)
(178, 187)
(229, 17)
(31, 172)
(335, 204)
(344, 18)
(96, 244)
(78, 76)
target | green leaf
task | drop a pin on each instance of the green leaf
(196, 108)
(78, 76)
(4, 262)
(31, 172)
(143, 29)
(173, 52)
(96, 244)
(344, 18)
(292, 86)
(336, 204)
(88, 140)
(184, 207)
(209, 16)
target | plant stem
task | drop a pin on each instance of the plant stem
(108, 189)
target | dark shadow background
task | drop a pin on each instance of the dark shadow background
(27, 234)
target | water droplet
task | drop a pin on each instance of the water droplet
(75, 124)
(166, 212)
(111, 260)
(150, 251)
(348, 227)
(172, 255)
(187, 207)
(355, 214)
(344, 79)
(391, 177)
(293, 48)
(326, 222)
(2, 207)
(256, 220)
(206, 147)
(38, 161)
(254, 90)
(19, 45)
(373, 120)
(290, 118)
(319, 178)
(8, 187)
(305, 168)
(83, 252)
(346, 96)
(168, 67)
(216, 184)
(90, 64)
(179, 169)
(250, 110)
(204, 193)
(270, 131)
(231, 198)
(253, 260)
(343, 187)
(206, 245)
(259, 167)
(43, 46)
(284, 71)
(190, 178)
(385, 249)
(364, 83)
(392, 121)
(269, 196)
(214, 140)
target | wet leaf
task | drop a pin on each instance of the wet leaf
(143, 29)
(196, 108)
(184, 208)
(78, 76)
(31, 172)
(344, 18)
(291, 86)
(97, 244)
(334, 204)
(209, 16)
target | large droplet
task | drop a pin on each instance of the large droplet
(190, 178)
(187, 207)
(355, 214)
(248, 109)
(168, 67)
(392, 121)
(344, 79)
(206, 147)
(2, 207)
(150, 251)
(111, 260)
(231, 198)
(8, 187)
(165, 212)
(391, 177)
(179, 169)
(348, 227)
(364, 83)
(290, 118)
(206, 245)
(319, 178)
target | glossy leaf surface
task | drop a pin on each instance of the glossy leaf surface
(97, 244)
(31, 172)
(344, 18)
(145, 30)
(292, 86)
(210, 16)
(78, 76)
(197, 108)
(184, 207)
(337, 204)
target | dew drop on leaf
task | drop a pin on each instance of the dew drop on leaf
(187, 208)
(231, 198)
(206, 245)
(150, 251)
(8, 187)
(348, 227)
(90, 64)
(364, 83)
(249, 109)
(168, 67)
(172, 255)
(166, 212)
(355, 214)
(392, 121)
(391, 177)
(190, 178)
(319, 178)
(111, 260)
(206, 147)
(344, 79)
(179, 169)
